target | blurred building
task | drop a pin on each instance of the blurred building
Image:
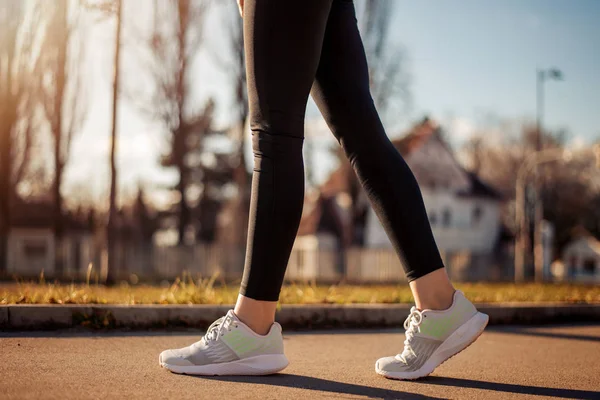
(323, 235)
(32, 242)
(581, 258)
(464, 212)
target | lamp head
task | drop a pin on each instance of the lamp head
(555, 73)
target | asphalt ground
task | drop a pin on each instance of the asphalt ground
(506, 362)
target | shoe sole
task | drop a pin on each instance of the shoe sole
(459, 340)
(257, 365)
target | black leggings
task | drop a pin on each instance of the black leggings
(291, 47)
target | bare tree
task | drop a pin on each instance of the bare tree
(112, 204)
(176, 36)
(233, 64)
(64, 100)
(390, 80)
(235, 68)
(499, 163)
(571, 194)
(20, 21)
(108, 9)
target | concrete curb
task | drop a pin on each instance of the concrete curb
(3, 317)
(37, 317)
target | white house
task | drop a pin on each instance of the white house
(581, 258)
(32, 244)
(464, 212)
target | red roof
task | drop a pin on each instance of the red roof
(420, 134)
(40, 214)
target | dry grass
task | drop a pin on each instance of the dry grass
(187, 290)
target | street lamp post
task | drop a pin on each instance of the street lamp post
(538, 248)
(530, 163)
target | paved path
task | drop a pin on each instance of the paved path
(507, 362)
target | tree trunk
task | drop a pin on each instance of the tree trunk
(4, 218)
(184, 209)
(243, 183)
(58, 219)
(111, 273)
(3, 248)
(5, 192)
(57, 131)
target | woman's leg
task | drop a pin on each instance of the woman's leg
(283, 42)
(342, 92)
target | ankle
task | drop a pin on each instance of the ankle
(433, 291)
(257, 315)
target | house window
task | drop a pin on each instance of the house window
(589, 266)
(433, 218)
(477, 214)
(447, 218)
(35, 248)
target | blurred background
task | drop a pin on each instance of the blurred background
(124, 150)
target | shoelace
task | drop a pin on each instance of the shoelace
(219, 327)
(411, 324)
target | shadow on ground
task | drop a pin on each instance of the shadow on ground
(321, 385)
(317, 384)
(509, 388)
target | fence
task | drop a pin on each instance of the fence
(355, 265)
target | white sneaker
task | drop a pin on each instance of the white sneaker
(229, 348)
(432, 337)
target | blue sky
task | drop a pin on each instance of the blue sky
(472, 57)
(468, 59)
